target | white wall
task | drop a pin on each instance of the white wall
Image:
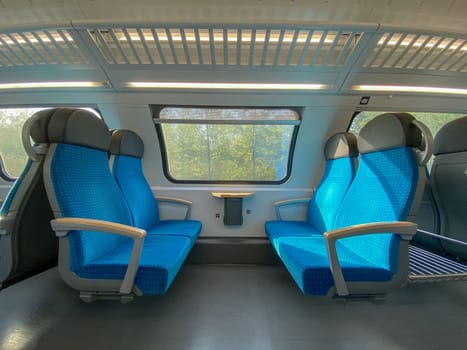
(323, 116)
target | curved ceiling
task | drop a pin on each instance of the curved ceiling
(449, 15)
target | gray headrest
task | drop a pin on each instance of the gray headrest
(78, 127)
(341, 145)
(452, 137)
(126, 142)
(387, 131)
(38, 129)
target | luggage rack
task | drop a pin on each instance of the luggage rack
(426, 266)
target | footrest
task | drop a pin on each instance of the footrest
(429, 267)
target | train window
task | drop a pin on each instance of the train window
(226, 145)
(12, 154)
(433, 120)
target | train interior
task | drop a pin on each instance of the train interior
(270, 174)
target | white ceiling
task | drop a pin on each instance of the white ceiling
(447, 15)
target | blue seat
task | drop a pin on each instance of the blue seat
(126, 152)
(366, 251)
(101, 253)
(341, 153)
(27, 243)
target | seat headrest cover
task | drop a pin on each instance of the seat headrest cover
(38, 130)
(341, 145)
(126, 142)
(388, 131)
(451, 137)
(78, 127)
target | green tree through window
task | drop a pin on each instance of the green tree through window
(227, 144)
(11, 149)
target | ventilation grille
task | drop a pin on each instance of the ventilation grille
(225, 47)
(412, 51)
(45, 47)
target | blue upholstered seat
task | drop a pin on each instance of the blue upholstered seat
(101, 251)
(160, 260)
(340, 153)
(126, 151)
(371, 258)
(308, 263)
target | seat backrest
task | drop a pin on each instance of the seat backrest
(126, 152)
(28, 243)
(449, 183)
(384, 186)
(341, 154)
(79, 182)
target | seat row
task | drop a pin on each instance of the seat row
(111, 240)
(113, 243)
(354, 240)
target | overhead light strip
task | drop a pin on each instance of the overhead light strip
(225, 86)
(415, 89)
(52, 84)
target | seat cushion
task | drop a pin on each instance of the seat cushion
(128, 172)
(184, 228)
(277, 229)
(306, 258)
(161, 258)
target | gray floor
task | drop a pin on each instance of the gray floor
(231, 307)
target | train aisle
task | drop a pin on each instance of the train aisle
(231, 307)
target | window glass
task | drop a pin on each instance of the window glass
(434, 121)
(204, 144)
(13, 156)
(11, 148)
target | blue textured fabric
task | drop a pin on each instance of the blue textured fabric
(337, 177)
(128, 172)
(161, 258)
(276, 229)
(382, 190)
(186, 228)
(307, 261)
(84, 187)
(14, 189)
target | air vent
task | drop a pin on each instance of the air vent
(225, 46)
(45, 47)
(419, 52)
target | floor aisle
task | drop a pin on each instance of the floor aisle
(231, 307)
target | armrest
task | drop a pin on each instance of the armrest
(62, 226)
(294, 201)
(6, 224)
(405, 229)
(174, 200)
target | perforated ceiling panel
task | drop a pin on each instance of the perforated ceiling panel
(419, 52)
(42, 47)
(226, 47)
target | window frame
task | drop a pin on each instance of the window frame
(156, 110)
(4, 173)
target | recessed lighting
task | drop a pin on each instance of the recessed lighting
(52, 84)
(225, 86)
(416, 89)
